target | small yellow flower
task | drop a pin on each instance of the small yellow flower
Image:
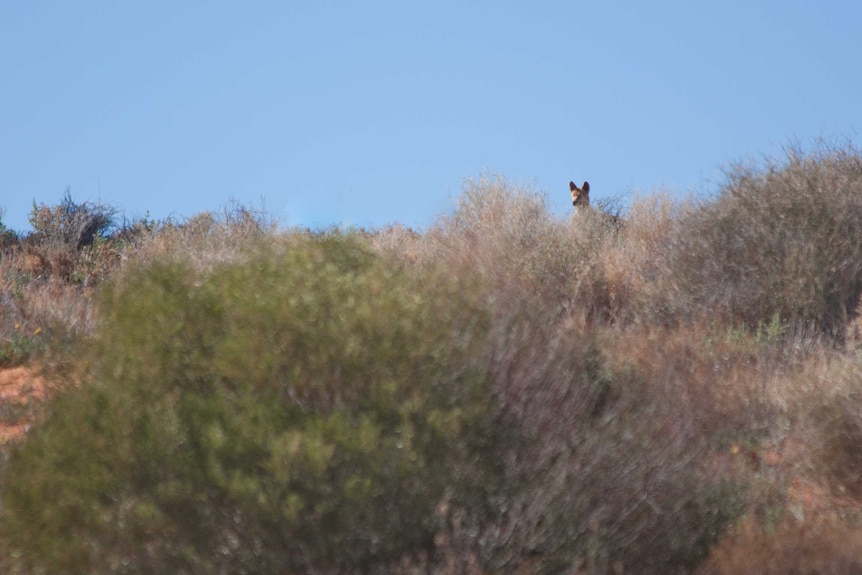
(37, 331)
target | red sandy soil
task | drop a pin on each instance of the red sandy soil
(19, 385)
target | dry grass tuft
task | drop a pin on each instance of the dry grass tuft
(206, 239)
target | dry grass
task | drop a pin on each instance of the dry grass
(206, 240)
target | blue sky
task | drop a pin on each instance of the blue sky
(373, 112)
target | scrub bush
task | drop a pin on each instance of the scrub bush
(781, 240)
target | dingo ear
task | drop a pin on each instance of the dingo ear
(572, 186)
(586, 187)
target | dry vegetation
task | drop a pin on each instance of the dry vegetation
(504, 392)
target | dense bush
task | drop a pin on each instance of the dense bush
(313, 408)
(781, 240)
(610, 473)
(67, 240)
(505, 232)
(307, 409)
(70, 224)
(506, 392)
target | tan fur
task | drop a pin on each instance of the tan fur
(580, 196)
(581, 202)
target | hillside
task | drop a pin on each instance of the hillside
(505, 392)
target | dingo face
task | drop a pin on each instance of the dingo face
(581, 202)
(580, 196)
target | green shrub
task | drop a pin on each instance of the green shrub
(782, 240)
(8, 237)
(19, 346)
(307, 409)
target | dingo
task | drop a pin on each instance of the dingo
(581, 202)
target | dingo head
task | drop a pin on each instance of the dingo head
(581, 202)
(580, 196)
